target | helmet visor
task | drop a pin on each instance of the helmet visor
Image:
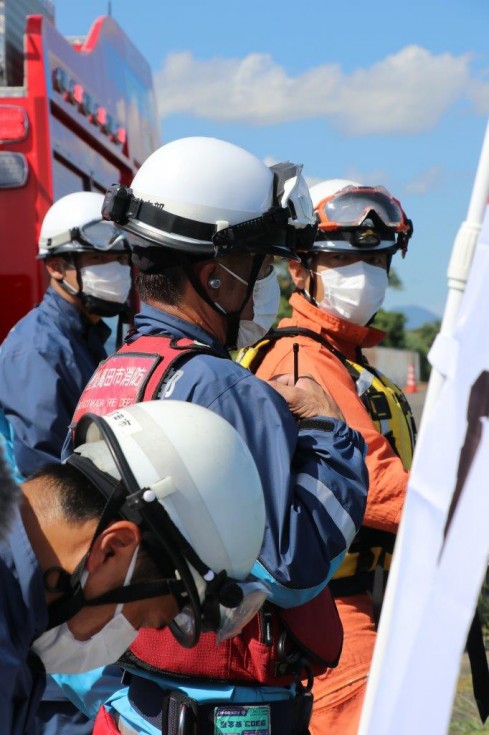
(102, 235)
(351, 206)
(234, 619)
(95, 235)
(228, 622)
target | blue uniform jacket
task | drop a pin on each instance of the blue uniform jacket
(45, 362)
(315, 483)
(23, 617)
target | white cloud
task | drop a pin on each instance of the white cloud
(404, 93)
(478, 93)
(426, 181)
(374, 177)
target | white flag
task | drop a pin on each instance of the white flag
(442, 548)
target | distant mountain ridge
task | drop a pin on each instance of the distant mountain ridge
(416, 316)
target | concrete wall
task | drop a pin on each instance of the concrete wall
(394, 363)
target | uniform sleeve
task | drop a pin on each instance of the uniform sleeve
(315, 483)
(314, 479)
(10, 666)
(20, 688)
(88, 691)
(388, 478)
(38, 398)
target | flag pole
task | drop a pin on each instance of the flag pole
(459, 267)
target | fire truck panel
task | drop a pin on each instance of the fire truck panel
(84, 118)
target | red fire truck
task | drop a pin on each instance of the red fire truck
(75, 114)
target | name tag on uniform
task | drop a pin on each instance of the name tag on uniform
(249, 720)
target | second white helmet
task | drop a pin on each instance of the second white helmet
(194, 489)
(74, 224)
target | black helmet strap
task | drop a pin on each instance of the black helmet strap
(232, 318)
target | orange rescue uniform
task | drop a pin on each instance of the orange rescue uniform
(338, 694)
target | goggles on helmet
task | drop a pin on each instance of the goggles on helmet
(287, 226)
(242, 602)
(95, 235)
(352, 205)
(362, 218)
(207, 601)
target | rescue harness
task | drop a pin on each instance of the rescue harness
(369, 557)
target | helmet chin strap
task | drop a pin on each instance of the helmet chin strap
(69, 585)
(232, 318)
(67, 287)
(310, 294)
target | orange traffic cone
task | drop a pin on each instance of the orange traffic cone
(411, 386)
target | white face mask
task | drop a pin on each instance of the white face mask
(108, 281)
(62, 653)
(266, 300)
(353, 292)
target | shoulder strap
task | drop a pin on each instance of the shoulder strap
(252, 357)
(275, 334)
(303, 332)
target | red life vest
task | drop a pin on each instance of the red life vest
(278, 645)
(135, 373)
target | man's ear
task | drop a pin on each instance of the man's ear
(56, 267)
(120, 539)
(299, 274)
(209, 278)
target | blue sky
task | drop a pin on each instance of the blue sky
(393, 93)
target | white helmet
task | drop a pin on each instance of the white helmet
(187, 478)
(207, 197)
(357, 218)
(74, 224)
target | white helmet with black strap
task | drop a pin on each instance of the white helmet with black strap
(202, 198)
(74, 225)
(186, 477)
(208, 197)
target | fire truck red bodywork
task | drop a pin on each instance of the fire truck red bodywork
(85, 118)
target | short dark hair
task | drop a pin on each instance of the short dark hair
(165, 287)
(77, 498)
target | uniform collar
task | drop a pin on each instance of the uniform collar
(151, 320)
(74, 318)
